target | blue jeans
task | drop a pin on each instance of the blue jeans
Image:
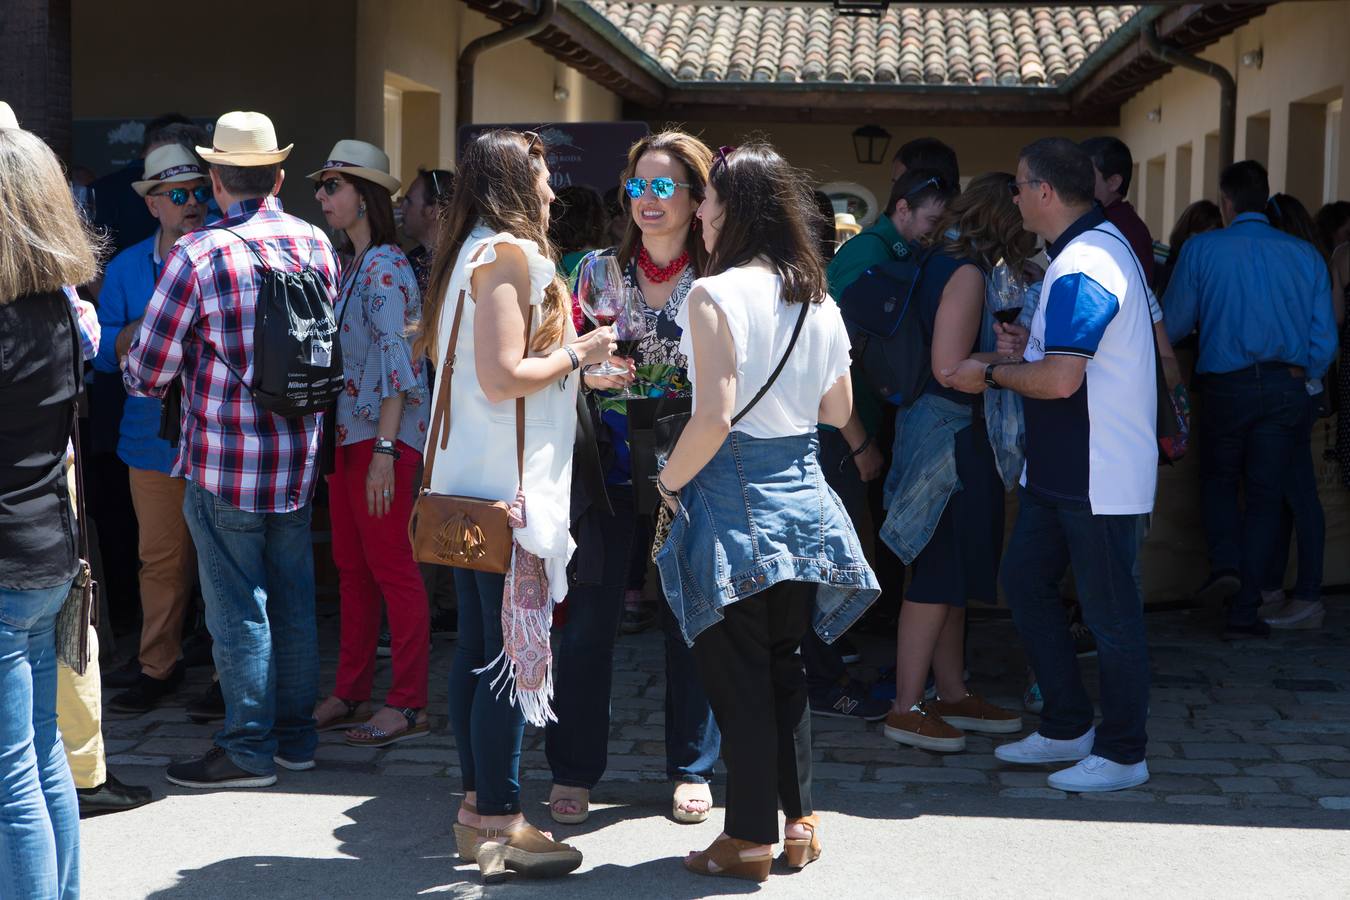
(577, 744)
(39, 815)
(1249, 427)
(488, 728)
(1049, 535)
(257, 575)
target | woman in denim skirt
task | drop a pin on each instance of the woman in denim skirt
(760, 549)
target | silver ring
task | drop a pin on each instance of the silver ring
(388, 493)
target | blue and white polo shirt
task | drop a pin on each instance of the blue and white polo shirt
(1100, 445)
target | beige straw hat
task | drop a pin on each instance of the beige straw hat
(7, 117)
(357, 159)
(244, 139)
(172, 162)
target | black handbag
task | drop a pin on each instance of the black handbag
(667, 429)
(171, 413)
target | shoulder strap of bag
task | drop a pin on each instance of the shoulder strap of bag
(797, 330)
(80, 518)
(439, 436)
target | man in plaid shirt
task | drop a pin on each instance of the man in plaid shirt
(250, 472)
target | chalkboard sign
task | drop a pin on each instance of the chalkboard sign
(106, 145)
(588, 153)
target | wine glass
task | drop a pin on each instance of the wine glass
(603, 292)
(630, 327)
(1005, 294)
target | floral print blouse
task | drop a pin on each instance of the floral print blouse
(378, 306)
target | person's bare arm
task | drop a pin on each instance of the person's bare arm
(958, 320)
(836, 407)
(1053, 378)
(714, 392)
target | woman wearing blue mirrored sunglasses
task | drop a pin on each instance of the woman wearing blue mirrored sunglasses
(663, 188)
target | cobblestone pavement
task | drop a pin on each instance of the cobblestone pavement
(1245, 734)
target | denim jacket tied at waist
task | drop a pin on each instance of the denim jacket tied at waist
(923, 472)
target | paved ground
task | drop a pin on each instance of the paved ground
(1250, 796)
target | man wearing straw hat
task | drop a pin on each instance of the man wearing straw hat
(176, 192)
(250, 473)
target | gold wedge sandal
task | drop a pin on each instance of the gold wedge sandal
(467, 838)
(801, 852)
(523, 849)
(723, 859)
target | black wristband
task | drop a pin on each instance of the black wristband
(576, 361)
(867, 442)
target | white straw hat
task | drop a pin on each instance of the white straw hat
(172, 162)
(244, 139)
(7, 117)
(357, 159)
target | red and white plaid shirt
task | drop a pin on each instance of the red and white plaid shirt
(202, 311)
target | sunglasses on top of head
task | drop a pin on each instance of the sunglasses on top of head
(179, 196)
(662, 188)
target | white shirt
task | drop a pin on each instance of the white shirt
(1101, 444)
(479, 459)
(761, 326)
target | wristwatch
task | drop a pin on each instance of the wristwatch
(387, 447)
(989, 376)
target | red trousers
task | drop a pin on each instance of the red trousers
(374, 558)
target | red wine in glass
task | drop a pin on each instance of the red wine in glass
(1009, 315)
(628, 347)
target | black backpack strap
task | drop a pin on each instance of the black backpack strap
(797, 330)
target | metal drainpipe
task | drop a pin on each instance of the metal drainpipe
(1227, 88)
(468, 57)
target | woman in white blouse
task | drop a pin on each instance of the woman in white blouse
(497, 262)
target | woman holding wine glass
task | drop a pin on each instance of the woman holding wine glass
(646, 278)
(950, 529)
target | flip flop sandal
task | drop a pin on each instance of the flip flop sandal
(689, 816)
(347, 719)
(581, 815)
(368, 735)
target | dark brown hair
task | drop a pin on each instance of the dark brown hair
(1287, 213)
(576, 219)
(497, 185)
(1200, 216)
(697, 159)
(988, 225)
(379, 213)
(768, 210)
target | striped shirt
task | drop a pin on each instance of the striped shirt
(199, 320)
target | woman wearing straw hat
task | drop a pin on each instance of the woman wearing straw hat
(381, 426)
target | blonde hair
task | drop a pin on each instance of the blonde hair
(44, 243)
(988, 224)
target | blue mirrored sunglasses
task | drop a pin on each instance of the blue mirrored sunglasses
(662, 188)
(179, 196)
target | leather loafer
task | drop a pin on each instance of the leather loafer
(111, 796)
(124, 676)
(146, 693)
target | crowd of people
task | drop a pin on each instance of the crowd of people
(797, 427)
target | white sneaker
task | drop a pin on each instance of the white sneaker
(1033, 750)
(1098, 774)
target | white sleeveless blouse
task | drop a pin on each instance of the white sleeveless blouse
(479, 459)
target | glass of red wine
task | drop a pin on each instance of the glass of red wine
(604, 296)
(1005, 294)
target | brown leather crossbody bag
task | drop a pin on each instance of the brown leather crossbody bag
(453, 530)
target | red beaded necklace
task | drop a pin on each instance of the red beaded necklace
(658, 274)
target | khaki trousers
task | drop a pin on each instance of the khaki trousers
(168, 567)
(79, 715)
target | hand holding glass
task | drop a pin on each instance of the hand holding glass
(603, 292)
(1004, 295)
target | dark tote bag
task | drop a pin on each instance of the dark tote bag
(643, 414)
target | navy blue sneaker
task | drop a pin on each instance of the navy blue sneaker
(853, 701)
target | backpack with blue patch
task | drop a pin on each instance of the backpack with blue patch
(890, 343)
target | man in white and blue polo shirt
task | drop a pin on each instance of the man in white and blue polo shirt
(1089, 384)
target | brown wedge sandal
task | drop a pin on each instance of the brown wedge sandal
(467, 838)
(524, 849)
(351, 715)
(801, 852)
(723, 859)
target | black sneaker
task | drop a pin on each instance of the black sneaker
(111, 796)
(445, 624)
(209, 707)
(124, 676)
(385, 646)
(848, 651)
(1220, 586)
(146, 693)
(215, 770)
(1257, 629)
(852, 702)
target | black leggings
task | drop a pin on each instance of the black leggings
(755, 682)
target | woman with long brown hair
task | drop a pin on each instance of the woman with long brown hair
(951, 532)
(44, 246)
(760, 549)
(660, 255)
(495, 292)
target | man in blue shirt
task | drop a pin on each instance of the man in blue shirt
(1261, 301)
(176, 193)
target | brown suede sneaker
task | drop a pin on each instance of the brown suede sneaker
(974, 713)
(923, 728)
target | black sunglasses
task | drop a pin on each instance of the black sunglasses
(179, 196)
(1015, 187)
(329, 186)
(934, 182)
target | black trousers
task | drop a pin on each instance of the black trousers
(755, 682)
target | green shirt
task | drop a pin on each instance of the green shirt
(878, 243)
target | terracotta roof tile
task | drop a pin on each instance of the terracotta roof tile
(1040, 46)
